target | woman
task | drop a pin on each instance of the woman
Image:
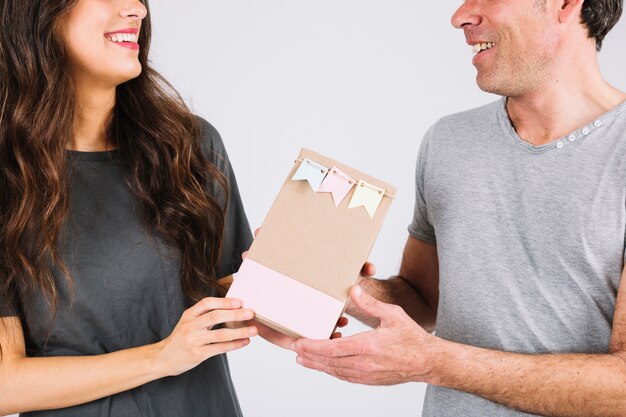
(118, 209)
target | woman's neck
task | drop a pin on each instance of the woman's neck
(93, 113)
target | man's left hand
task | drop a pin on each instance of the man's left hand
(398, 351)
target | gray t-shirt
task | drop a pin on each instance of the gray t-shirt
(530, 239)
(128, 291)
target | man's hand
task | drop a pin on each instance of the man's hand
(396, 352)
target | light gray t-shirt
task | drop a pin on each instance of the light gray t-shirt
(530, 238)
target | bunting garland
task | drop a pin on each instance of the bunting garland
(324, 180)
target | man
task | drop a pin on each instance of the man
(516, 248)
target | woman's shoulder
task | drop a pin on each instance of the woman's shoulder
(209, 136)
(211, 143)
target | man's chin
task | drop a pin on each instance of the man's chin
(492, 86)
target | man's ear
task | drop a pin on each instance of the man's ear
(569, 9)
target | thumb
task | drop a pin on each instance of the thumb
(366, 303)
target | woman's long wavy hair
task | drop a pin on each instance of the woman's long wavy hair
(158, 140)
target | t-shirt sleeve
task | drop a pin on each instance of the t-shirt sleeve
(237, 234)
(8, 302)
(421, 228)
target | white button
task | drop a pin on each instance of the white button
(559, 145)
(585, 131)
(572, 138)
(597, 123)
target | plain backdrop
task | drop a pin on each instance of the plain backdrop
(358, 80)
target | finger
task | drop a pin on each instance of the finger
(362, 363)
(273, 336)
(336, 335)
(343, 321)
(214, 317)
(368, 304)
(215, 349)
(243, 255)
(329, 348)
(345, 374)
(256, 231)
(213, 303)
(229, 335)
(368, 270)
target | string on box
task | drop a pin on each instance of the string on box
(332, 180)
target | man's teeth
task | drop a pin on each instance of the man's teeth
(482, 46)
(123, 37)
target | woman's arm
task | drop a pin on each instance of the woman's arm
(29, 384)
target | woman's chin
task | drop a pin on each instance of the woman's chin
(128, 75)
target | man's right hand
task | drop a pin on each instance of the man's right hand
(368, 271)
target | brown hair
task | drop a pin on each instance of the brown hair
(158, 140)
(599, 16)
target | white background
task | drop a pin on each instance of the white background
(357, 80)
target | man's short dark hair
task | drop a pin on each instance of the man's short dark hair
(599, 16)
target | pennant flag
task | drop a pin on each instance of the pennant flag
(312, 172)
(368, 196)
(338, 184)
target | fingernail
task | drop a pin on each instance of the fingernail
(299, 360)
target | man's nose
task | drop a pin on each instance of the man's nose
(467, 14)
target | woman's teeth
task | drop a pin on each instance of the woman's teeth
(122, 37)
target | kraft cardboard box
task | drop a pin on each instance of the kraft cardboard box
(312, 245)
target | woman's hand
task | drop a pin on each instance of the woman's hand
(193, 340)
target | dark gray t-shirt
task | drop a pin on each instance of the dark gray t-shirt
(530, 239)
(128, 291)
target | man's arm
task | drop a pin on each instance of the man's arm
(415, 289)
(554, 385)
(548, 384)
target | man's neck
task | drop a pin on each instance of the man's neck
(562, 105)
(92, 116)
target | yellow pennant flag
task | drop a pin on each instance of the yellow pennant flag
(367, 196)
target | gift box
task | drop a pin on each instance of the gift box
(312, 245)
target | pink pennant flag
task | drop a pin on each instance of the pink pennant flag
(338, 183)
